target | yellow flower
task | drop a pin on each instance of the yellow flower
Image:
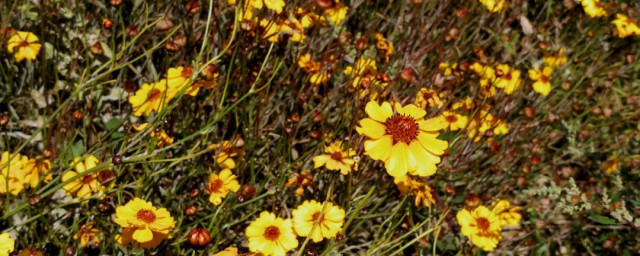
(149, 98)
(509, 216)
(308, 18)
(626, 26)
(384, 46)
(465, 105)
(611, 165)
(482, 226)
(542, 79)
(271, 235)
(162, 137)
(230, 251)
(220, 185)
(452, 120)
(302, 180)
(26, 42)
(143, 219)
(318, 74)
(88, 236)
(484, 122)
(7, 244)
(291, 27)
(306, 222)
(593, 8)
(34, 168)
(555, 60)
(225, 157)
(494, 5)
(335, 158)
(485, 72)
(365, 76)
(336, 14)
(448, 68)
(510, 79)
(12, 175)
(86, 185)
(178, 78)
(126, 237)
(403, 139)
(420, 190)
(427, 98)
(274, 5)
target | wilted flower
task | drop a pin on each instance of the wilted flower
(163, 139)
(555, 60)
(384, 46)
(420, 190)
(274, 29)
(509, 216)
(611, 165)
(302, 180)
(226, 154)
(428, 98)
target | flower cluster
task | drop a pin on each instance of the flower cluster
(18, 171)
(484, 226)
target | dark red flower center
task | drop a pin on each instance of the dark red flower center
(155, 94)
(337, 156)
(146, 216)
(451, 118)
(272, 233)
(215, 185)
(483, 223)
(402, 128)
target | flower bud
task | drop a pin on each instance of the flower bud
(107, 23)
(199, 237)
(471, 201)
(192, 8)
(78, 115)
(96, 49)
(164, 24)
(191, 210)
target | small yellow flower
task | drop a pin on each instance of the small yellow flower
(510, 79)
(420, 190)
(307, 18)
(494, 5)
(227, 152)
(625, 26)
(482, 226)
(87, 184)
(271, 235)
(384, 46)
(229, 251)
(318, 74)
(274, 5)
(26, 42)
(143, 221)
(335, 158)
(555, 60)
(593, 8)
(220, 185)
(542, 79)
(448, 69)
(306, 222)
(35, 168)
(611, 165)
(290, 26)
(88, 236)
(484, 122)
(366, 77)
(509, 216)
(465, 105)
(149, 98)
(163, 139)
(428, 98)
(336, 14)
(178, 78)
(302, 180)
(13, 175)
(403, 139)
(7, 244)
(452, 120)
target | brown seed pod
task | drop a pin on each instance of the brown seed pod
(407, 75)
(199, 237)
(324, 4)
(192, 8)
(107, 23)
(471, 201)
(194, 192)
(191, 210)
(33, 200)
(96, 49)
(78, 115)
(4, 120)
(115, 3)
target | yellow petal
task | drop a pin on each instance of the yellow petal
(433, 144)
(379, 149)
(377, 112)
(398, 163)
(371, 128)
(143, 235)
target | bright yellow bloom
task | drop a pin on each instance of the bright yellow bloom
(404, 140)
(7, 244)
(420, 190)
(178, 78)
(465, 105)
(555, 60)
(611, 165)
(542, 79)
(509, 216)
(163, 139)
(220, 185)
(88, 236)
(448, 68)
(271, 235)
(365, 75)
(36, 167)
(306, 222)
(482, 226)
(335, 158)
(626, 26)
(291, 27)
(452, 120)
(12, 175)
(143, 219)
(336, 14)
(87, 184)
(26, 42)
(308, 19)
(485, 72)
(229, 251)
(318, 74)
(274, 5)
(149, 98)
(484, 122)
(302, 181)
(494, 5)
(510, 79)
(227, 151)
(428, 98)
(126, 237)
(593, 8)
(384, 46)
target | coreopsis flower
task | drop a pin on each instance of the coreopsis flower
(611, 165)
(452, 121)
(385, 48)
(302, 180)
(428, 98)
(162, 138)
(318, 220)
(508, 216)
(335, 158)
(229, 251)
(274, 29)
(271, 235)
(626, 26)
(219, 185)
(487, 78)
(307, 18)
(465, 105)
(484, 122)
(149, 98)
(542, 79)
(126, 237)
(226, 154)
(336, 14)
(593, 8)
(12, 174)
(556, 59)
(88, 236)
(402, 139)
(143, 222)
(494, 5)
(365, 76)
(448, 68)
(318, 75)
(420, 190)
(36, 168)
(510, 79)
(482, 226)
(178, 78)
(7, 244)
(27, 44)
(88, 183)
(274, 5)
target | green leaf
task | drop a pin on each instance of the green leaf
(113, 124)
(602, 219)
(77, 149)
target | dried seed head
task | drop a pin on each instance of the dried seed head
(48, 153)
(78, 115)
(407, 75)
(324, 4)
(471, 201)
(164, 24)
(96, 49)
(171, 46)
(194, 192)
(180, 40)
(361, 44)
(33, 200)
